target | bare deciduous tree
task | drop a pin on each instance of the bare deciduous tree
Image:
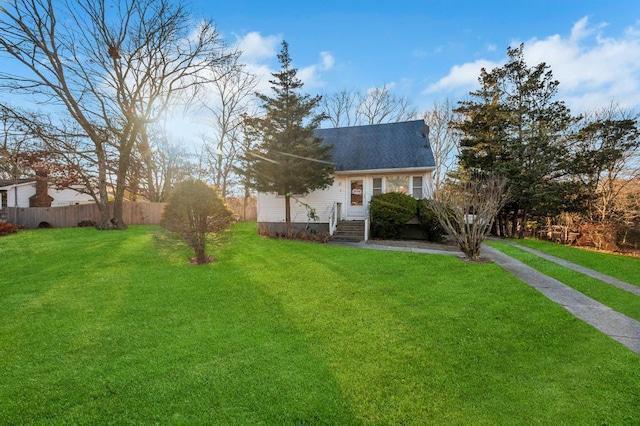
(610, 144)
(341, 108)
(443, 138)
(113, 67)
(232, 99)
(163, 162)
(375, 106)
(16, 142)
(466, 210)
(379, 105)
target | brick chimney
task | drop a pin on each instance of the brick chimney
(41, 197)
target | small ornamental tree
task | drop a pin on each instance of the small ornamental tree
(467, 209)
(195, 210)
(429, 222)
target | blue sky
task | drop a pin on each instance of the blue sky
(432, 50)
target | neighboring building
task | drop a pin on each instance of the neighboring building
(24, 193)
(369, 160)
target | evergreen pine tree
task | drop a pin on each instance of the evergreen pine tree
(288, 158)
(514, 128)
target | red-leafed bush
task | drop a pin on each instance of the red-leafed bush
(7, 228)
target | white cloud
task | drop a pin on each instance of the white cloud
(259, 56)
(255, 47)
(592, 69)
(580, 30)
(310, 76)
(463, 76)
(327, 60)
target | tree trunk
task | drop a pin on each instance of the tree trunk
(523, 224)
(103, 195)
(287, 212)
(121, 184)
(514, 223)
(501, 225)
(200, 249)
(147, 160)
(105, 214)
(471, 250)
(117, 219)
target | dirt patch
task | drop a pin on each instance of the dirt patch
(208, 259)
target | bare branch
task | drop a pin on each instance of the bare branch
(466, 210)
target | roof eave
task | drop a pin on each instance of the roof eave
(16, 185)
(381, 171)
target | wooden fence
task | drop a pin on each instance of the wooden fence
(245, 209)
(133, 214)
(71, 216)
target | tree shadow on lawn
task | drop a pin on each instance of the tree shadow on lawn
(195, 346)
(454, 340)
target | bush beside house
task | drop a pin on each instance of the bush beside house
(429, 223)
(390, 212)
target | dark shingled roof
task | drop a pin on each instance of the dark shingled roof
(10, 182)
(379, 146)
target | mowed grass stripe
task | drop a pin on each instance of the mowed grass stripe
(625, 268)
(620, 300)
(282, 332)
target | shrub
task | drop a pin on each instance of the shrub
(301, 235)
(390, 212)
(193, 211)
(429, 222)
(601, 235)
(7, 228)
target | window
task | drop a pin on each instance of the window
(377, 186)
(357, 193)
(410, 185)
(398, 184)
(417, 187)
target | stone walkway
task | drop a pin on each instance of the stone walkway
(618, 326)
(585, 271)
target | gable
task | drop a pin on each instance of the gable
(403, 145)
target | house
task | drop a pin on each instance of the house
(35, 192)
(369, 160)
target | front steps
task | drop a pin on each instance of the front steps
(349, 230)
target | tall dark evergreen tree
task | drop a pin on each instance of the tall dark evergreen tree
(514, 127)
(288, 159)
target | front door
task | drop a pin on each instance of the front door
(356, 200)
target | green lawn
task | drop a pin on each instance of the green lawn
(624, 268)
(116, 327)
(616, 298)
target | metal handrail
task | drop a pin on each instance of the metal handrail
(333, 219)
(366, 227)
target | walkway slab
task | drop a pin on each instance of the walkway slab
(581, 269)
(618, 326)
(407, 248)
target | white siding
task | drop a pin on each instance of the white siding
(271, 206)
(67, 196)
(23, 192)
(63, 197)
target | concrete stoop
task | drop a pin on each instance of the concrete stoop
(349, 230)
